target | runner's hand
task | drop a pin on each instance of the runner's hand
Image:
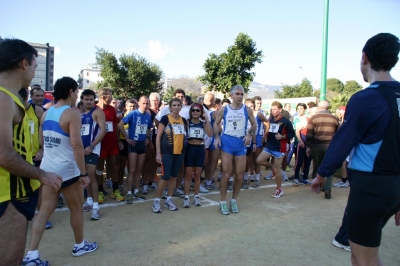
(308, 152)
(51, 179)
(85, 181)
(131, 142)
(88, 150)
(158, 158)
(317, 183)
(39, 155)
(247, 139)
(301, 144)
(121, 145)
(217, 143)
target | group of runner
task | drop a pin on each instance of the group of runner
(185, 138)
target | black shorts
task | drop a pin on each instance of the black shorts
(249, 150)
(70, 182)
(194, 155)
(125, 151)
(26, 206)
(92, 158)
(139, 148)
(372, 201)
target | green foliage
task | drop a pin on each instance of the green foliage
(130, 76)
(335, 85)
(232, 67)
(168, 94)
(351, 87)
(304, 89)
(337, 101)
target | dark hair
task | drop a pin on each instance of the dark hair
(188, 100)
(23, 93)
(131, 101)
(35, 88)
(311, 104)
(302, 104)
(12, 51)
(382, 51)
(80, 103)
(277, 104)
(226, 101)
(257, 98)
(62, 87)
(121, 105)
(196, 105)
(88, 92)
(249, 100)
(217, 101)
(179, 91)
(174, 100)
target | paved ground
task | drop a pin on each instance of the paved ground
(296, 229)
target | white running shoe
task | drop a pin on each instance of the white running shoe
(338, 184)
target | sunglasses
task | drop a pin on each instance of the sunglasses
(238, 93)
(196, 110)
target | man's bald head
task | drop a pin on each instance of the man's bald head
(209, 99)
(323, 105)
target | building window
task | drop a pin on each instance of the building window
(87, 81)
(51, 74)
(51, 66)
(87, 73)
(51, 59)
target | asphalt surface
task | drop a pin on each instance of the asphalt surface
(296, 229)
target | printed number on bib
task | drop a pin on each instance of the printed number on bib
(235, 125)
(109, 126)
(85, 129)
(32, 127)
(273, 128)
(179, 129)
(196, 133)
(141, 129)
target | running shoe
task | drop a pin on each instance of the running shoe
(109, 183)
(338, 184)
(196, 201)
(165, 194)
(306, 182)
(346, 184)
(186, 203)
(284, 176)
(152, 187)
(95, 215)
(339, 245)
(87, 207)
(269, 176)
(252, 178)
(178, 193)
(219, 177)
(101, 197)
(203, 189)
(234, 207)
(256, 183)
(328, 194)
(121, 190)
(244, 186)
(60, 203)
(246, 182)
(129, 198)
(138, 195)
(223, 208)
(156, 206)
(296, 183)
(117, 196)
(278, 193)
(212, 187)
(87, 248)
(170, 205)
(48, 225)
(144, 190)
(287, 168)
(34, 262)
(230, 185)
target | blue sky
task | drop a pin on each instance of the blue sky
(179, 35)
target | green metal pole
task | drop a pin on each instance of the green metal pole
(322, 95)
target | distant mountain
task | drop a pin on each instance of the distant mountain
(262, 90)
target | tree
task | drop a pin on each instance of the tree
(191, 86)
(131, 75)
(335, 85)
(337, 101)
(351, 87)
(304, 89)
(168, 94)
(232, 67)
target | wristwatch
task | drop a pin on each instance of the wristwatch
(92, 147)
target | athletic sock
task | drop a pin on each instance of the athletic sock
(144, 187)
(33, 254)
(135, 191)
(115, 186)
(222, 202)
(231, 178)
(208, 182)
(245, 177)
(196, 196)
(89, 200)
(186, 196)
(81, 245)
(233, 200)
(258, 177)
(95, 205)
(157, 199)
(168, 199)
(129, 192)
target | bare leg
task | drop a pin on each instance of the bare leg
(278, 171)
(364, 256)
(132, 173)
(100, 167)
(74, 196)
(92, 189)
(197, 172)
(240, 164)
(188, 179)
(12, 236)
(227, 162)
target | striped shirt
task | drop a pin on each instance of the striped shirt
(320, 129)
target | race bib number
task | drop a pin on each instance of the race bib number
(235, 125)
(32, 127)
(109, 127)
(196, 132)
(140, 129)
(85, 129)
(179, 129)
(273, 128)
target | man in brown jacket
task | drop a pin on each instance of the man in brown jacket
(320, 130)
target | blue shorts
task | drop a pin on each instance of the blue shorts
(139, 148)
(194, 156)
(212, 147)
(233, 145)
(276, 154)
(258, 141)
(26, 205)
(92, 158)
(171, 164)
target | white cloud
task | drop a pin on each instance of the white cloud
(157, 50)
(57, 50)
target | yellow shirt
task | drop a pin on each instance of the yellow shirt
(13, 186)
(33, 128)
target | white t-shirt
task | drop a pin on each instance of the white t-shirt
(165, 111)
